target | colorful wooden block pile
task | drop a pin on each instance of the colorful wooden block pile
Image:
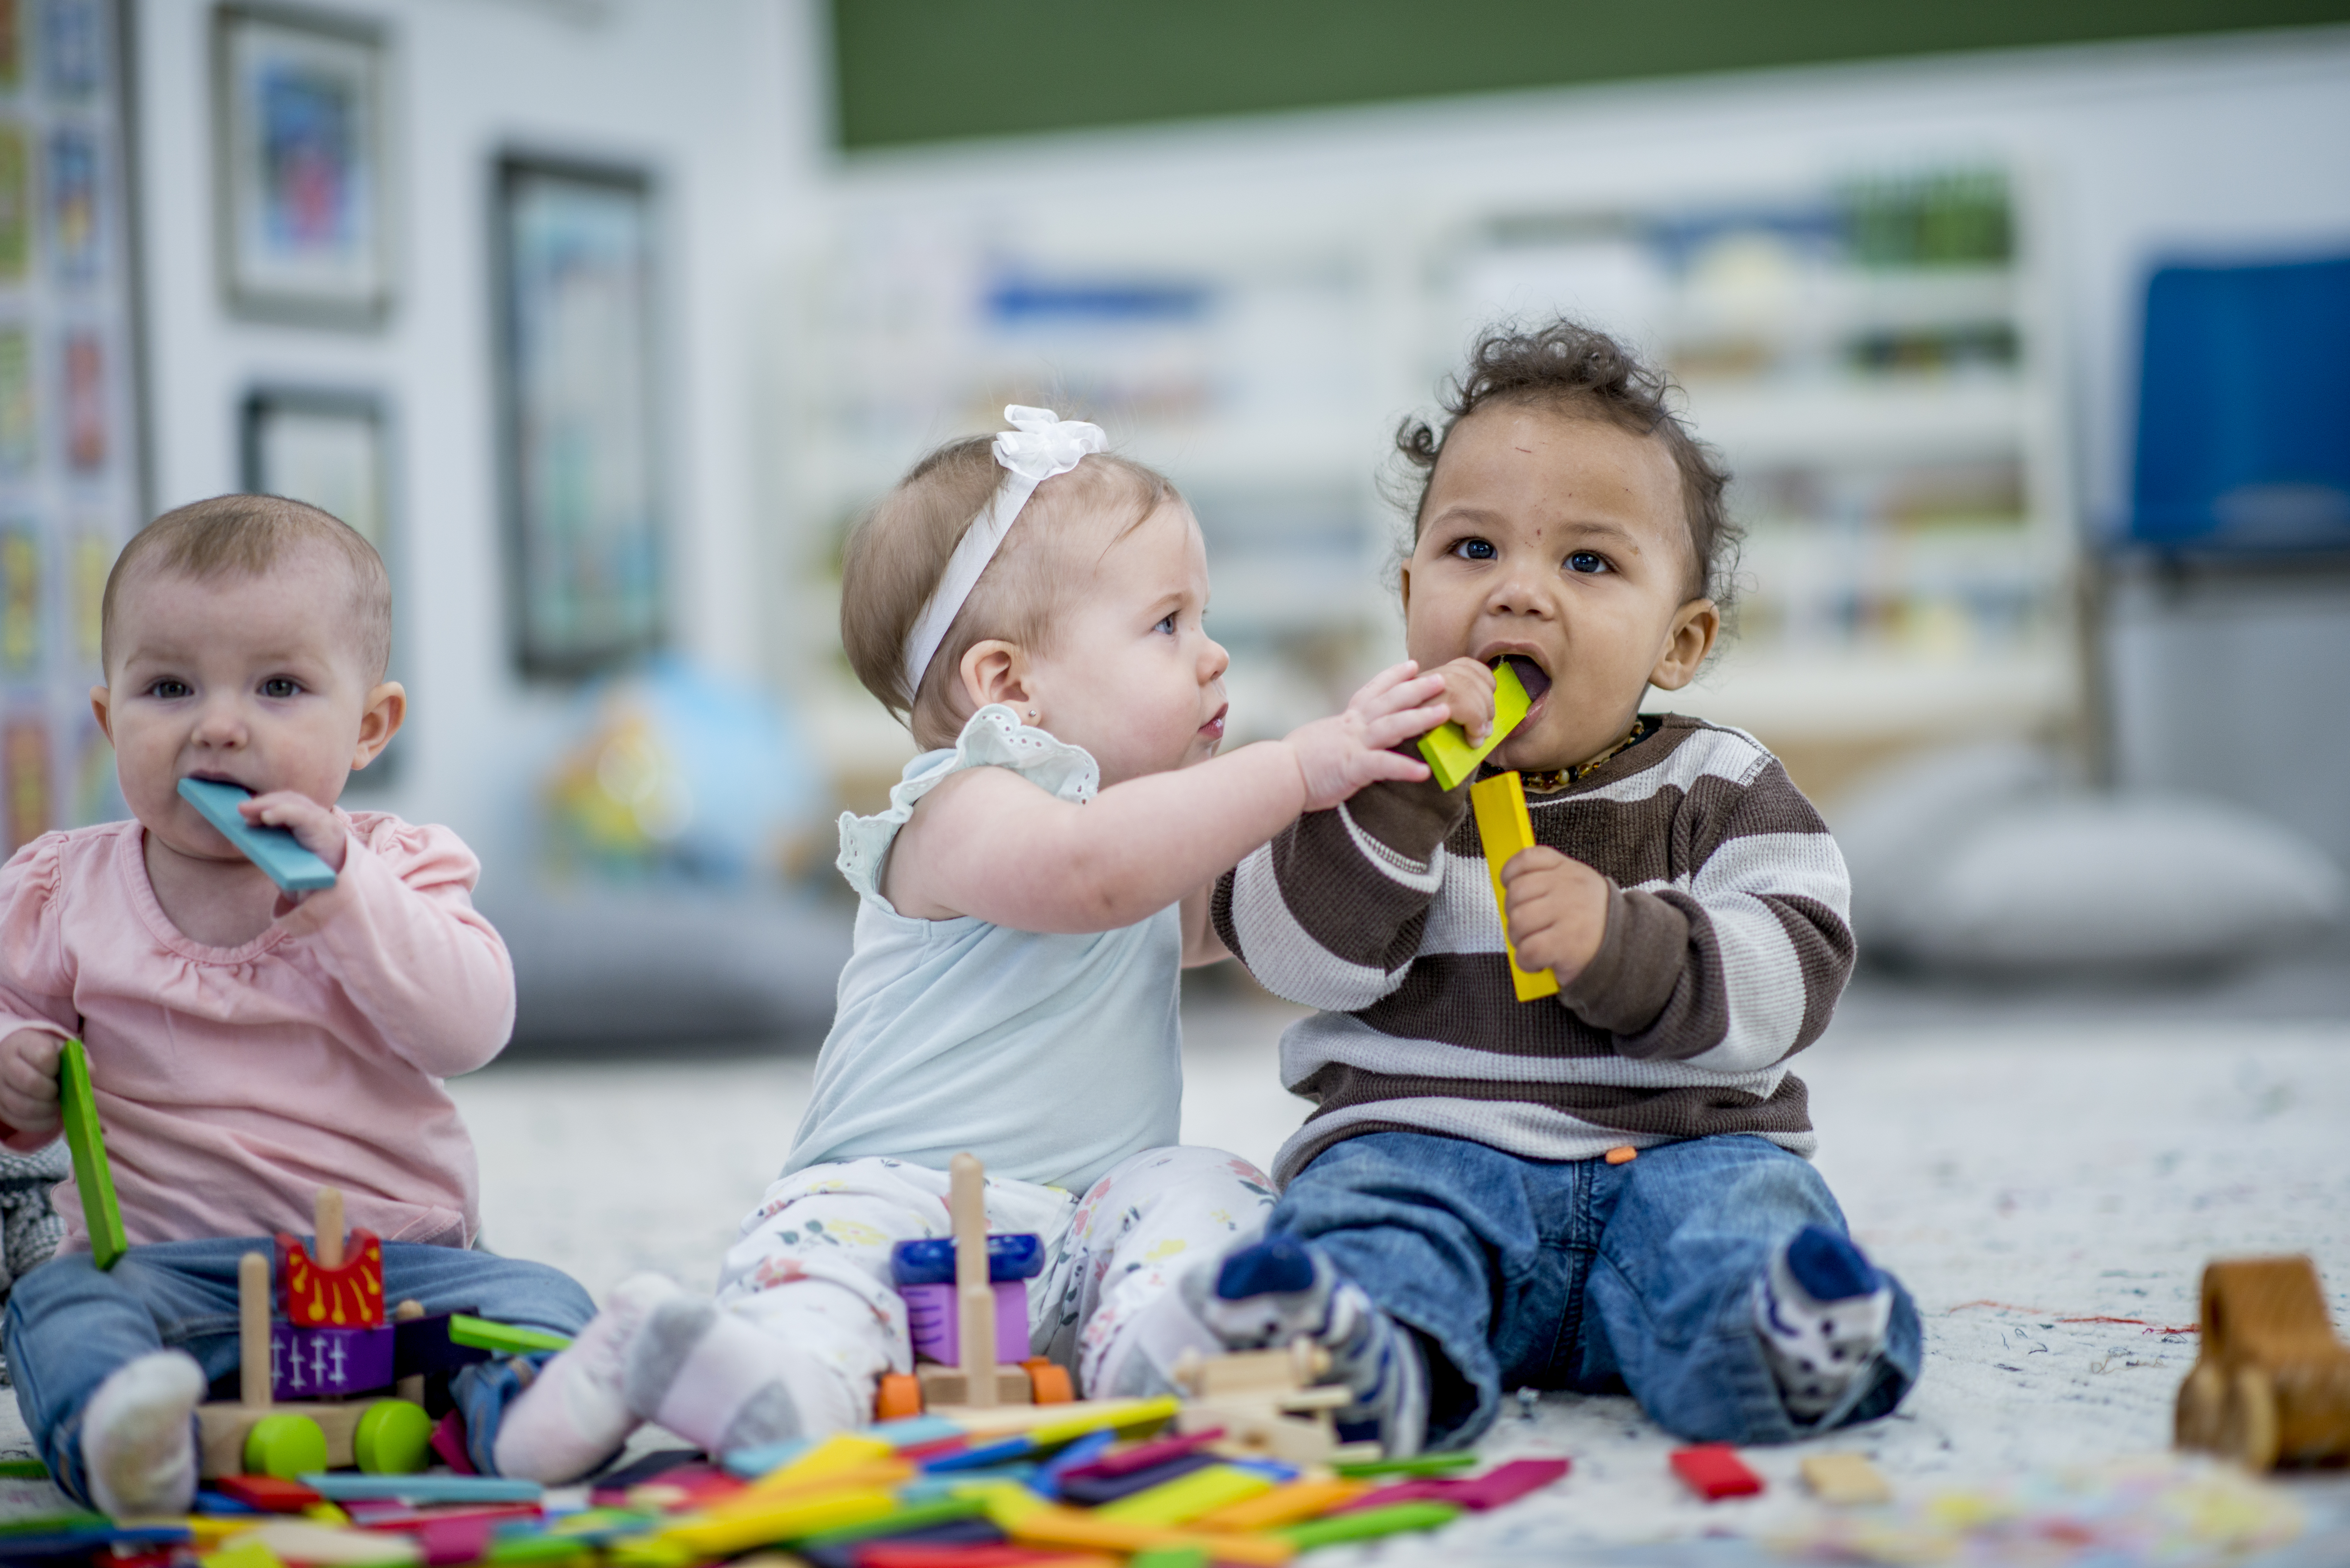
(1069, 1485)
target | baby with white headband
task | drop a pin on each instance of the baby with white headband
(1032, 607)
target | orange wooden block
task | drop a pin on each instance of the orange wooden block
(316, 1296)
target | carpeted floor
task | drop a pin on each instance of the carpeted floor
(2048, 1180)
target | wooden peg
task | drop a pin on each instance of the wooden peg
(252, 1328)
(974, 1302)
(327, 1230)
(411, 1387)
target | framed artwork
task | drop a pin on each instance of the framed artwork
(300, 148)
(326, 448)
(576, 360)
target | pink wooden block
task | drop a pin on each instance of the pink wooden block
(937, 1327)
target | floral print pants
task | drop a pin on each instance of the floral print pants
(813, 1264)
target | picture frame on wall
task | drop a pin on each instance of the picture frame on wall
(304, 209)
(323, 446)
(332, 448)
(577, 360)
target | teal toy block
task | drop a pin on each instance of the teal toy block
(277, 852)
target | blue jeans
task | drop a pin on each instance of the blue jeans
(70, 1325)
(1583, 1275)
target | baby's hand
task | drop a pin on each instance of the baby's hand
(28, 1081)
(313, 825)
(1468, 697)
(1557, 911)
(1340, 755)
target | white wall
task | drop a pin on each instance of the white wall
(2214, 146)
(719, 99)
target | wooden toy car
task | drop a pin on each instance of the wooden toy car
(1267, 1404)
(2273, 1384)
(968, 1335)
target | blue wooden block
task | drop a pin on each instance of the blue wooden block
(277, 852)
(345, 1486)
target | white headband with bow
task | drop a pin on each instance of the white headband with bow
(1039, 445)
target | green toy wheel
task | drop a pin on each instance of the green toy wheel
(284, 1447)
(394, 1438)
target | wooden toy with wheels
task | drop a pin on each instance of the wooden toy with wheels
(1267, 1404)
(967, 1308)
(2272, 1384)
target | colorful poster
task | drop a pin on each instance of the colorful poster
(97, 793)
(24, 775)
(16, 202)
(72, 46)
(85, 401)
(20, 599)
(73, 204)
(93, 558)
(20, 431)
(12, 44)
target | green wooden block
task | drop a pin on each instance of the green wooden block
(1370, 1523)
(912, 1517)
(79, 1108)
(22, 1469)
(1417, 1465)
(501, 1338)
(1451, 756)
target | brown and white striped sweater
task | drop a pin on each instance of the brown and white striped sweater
(1726, 948)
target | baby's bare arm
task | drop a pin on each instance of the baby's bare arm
(988, 843)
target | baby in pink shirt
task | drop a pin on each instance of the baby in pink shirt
(246, 1045)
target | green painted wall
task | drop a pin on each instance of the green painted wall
(931, 70)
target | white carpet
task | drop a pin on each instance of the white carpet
(2023, 1172)
(2017, 1174)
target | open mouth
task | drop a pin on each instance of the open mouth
(1531, 675)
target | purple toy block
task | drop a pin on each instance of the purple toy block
(317, 1363)
(938, 1332)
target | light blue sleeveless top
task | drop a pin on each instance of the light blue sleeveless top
(1050, 1057)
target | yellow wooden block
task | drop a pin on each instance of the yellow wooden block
(716, 1535)
(1845, 1479)
(1449, 755)
(1283, 1505)
(770, 1491)
(1187, 1497)
(1048, 1426)
(840, 1452)
(1504, 827)
(1052, 1526)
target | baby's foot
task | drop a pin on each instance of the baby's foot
(138, 1437)
(574, 1414)
(1822, 1310)
(725, 1383)
(1278, 1289)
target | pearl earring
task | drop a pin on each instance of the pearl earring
(1032, 715)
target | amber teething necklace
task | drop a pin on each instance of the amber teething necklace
(1550, 780)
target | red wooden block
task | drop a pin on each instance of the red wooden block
(318, 1297)
(267, 1493)
(1142, 1456)
(1504, 1483)
(1714, 1471)
(912, 1554)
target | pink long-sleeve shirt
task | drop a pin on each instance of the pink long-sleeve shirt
(232, 1083)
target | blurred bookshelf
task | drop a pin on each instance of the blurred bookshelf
(1868, 357)
(1867, 354)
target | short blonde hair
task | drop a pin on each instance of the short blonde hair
(898, 551)
(248, 534)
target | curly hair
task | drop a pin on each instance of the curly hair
(1580, 370)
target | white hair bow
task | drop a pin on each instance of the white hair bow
(1039, 445)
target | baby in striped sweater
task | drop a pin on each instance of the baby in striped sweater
(1608, 1188)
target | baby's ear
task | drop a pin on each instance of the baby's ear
(1695, 626)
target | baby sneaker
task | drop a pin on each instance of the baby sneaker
(576, 1414)
(138, 1437)
(1822, 1310)
(1279, 1290)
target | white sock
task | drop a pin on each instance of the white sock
(1822, 1310)
(725, 1383)
(574, 1414)
(138, 1437)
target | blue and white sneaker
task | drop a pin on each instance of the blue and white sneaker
(1822, 1310)
(1278, 1290)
